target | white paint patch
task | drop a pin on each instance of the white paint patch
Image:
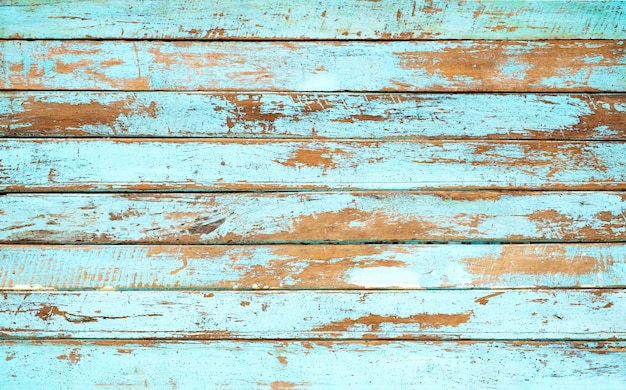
(30, 287)
(320, 82)
(382, 277)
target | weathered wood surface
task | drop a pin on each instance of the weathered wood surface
(301, 19)
(233, 164)
(518, 133)
(306, 115)
(312, 266)
(275, 365)
(445, 66)
(313, 217)
(409, 314)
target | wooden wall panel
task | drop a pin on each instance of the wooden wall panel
(410, 66)
(327, 267)
(317, 115)
(181, 165)
(313, 217)
(301, 19)
(77, 364)
(302, 195)
(461, 314)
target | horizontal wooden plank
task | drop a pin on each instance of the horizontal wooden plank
(312, 217)
(306, 115)
(305, 364)
(312, 266)
(299, 19)
(233, 164)
(449, 66)
(409, 314)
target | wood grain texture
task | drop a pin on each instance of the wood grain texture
(312, 266)
(313, 217)
(289, 19)
(427, 66)
(320, 115)
(412, 314)
(231, 164)
(308, 195)
(313, 364)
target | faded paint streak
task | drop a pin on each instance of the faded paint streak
(352, 224)
(38, 116)
(324, 158)
(374, 322)
(485, 300)
(552, 220)
(284, 385)
(546, 260)
(602, 114)
(308, 267)
(484, 66)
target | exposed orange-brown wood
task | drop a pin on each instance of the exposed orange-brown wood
(374, 322)
(517, 260)
(50, 118)
(459, 63)
(250, 110)
(353, 225)
(485, 300)
(328, 266)
(324, 158)
(72, 358)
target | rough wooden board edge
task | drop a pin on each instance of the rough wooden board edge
(415, 66)
(346, 217)
(78, 364)
(306, 115)
(594, 314)
(286, 267)
(288, 19)
(253, 164)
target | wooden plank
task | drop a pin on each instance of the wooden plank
(306, 115)
(450, 66)
(408, 314)
(312, 266)
(313, 217)
(232, 164)
(299, 19)
(463, 365)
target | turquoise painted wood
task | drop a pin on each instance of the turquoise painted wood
(320, 115)
(313, 217)
(317, 365)
(283, 19)
(218, 165)
(312, 195)
(75, 267)
(414, 314)
(412, 66)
